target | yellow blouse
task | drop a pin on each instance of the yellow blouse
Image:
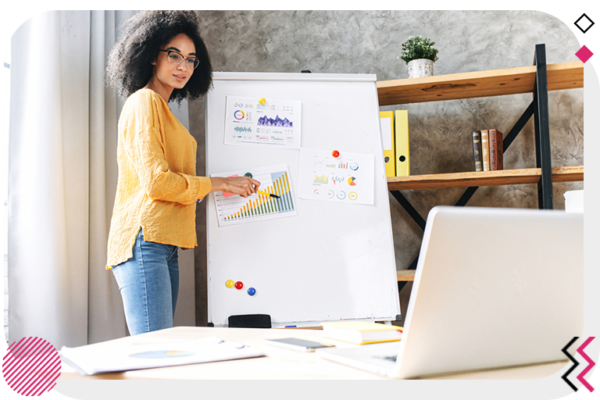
(157, 187)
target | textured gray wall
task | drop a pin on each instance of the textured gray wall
(369, 42)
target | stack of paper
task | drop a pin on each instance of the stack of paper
(95, 359)
(361, 332)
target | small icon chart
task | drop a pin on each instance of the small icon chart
(321, 180)
(337, 179)
(347, 179)
(239, 115)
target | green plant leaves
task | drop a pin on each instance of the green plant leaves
(417, 47)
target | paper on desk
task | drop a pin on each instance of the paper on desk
(99, 358)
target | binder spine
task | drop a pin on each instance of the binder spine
(402, 144)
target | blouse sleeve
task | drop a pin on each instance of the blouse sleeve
(144, 146)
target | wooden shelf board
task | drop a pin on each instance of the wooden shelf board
(477, 84)
(488, 178)
(406, 275)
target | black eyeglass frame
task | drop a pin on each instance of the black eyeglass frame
(168, 51)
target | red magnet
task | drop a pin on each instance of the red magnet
(335, 153)
(239, 285)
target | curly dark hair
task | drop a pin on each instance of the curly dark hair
(141, 37)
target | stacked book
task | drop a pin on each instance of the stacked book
(488, 150)
(361, 332)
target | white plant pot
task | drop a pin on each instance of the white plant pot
(420, 68)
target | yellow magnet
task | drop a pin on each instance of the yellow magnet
(262, 101)
(229, 283)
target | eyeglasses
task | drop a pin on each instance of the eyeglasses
(175, 57)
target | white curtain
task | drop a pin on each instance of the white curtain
(62, 181)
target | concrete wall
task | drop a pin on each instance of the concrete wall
(369, 42)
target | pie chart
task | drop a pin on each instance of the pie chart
(239, 114)
(352, 181)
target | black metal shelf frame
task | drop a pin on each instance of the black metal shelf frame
(539, 110)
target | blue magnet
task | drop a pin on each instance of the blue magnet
(251, 291)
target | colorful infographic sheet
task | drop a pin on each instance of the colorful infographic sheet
(143, 353)
(274, 123)
(235, 209)
(348, 178)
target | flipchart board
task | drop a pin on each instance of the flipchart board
(332, 260)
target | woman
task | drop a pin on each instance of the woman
(160, 57)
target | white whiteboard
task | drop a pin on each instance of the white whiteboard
(333, 261)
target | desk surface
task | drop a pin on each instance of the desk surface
(280, 363)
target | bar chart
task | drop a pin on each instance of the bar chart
(234, 210)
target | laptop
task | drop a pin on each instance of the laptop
(494, 287)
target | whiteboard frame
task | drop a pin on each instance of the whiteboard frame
(393, 309)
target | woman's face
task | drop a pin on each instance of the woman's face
(168, 71)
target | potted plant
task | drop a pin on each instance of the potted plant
(419, 54)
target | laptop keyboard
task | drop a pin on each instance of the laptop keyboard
(389, 358)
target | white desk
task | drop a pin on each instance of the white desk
(279, 363)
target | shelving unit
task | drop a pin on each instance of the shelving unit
(468, 85)
(538, 80)
(486, 178)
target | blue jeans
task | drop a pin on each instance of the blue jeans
(149, 284)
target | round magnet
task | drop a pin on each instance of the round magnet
(239, 285)
(229, 283)
(248, 174)
(251, 291)
(335, 153)
(262, 100)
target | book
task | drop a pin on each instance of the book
(476, 136)
(402, 148)
(496, 150)
(485, 149)
(361, 332)
(106, 357)
(387, 136)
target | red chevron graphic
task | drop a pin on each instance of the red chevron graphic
(591, 364)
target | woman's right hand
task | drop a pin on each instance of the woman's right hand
(241, 185)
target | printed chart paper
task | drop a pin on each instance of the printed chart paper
(235, 210)
(275, 123)
(90, 360)
(349, 178)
